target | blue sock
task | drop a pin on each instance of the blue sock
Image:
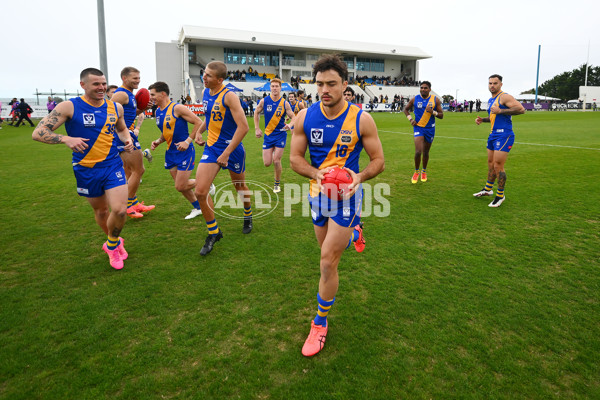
(196, 205)
(353, 238)
(323, 310)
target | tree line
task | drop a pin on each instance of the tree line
(565, 86)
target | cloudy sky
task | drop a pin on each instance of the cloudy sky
(47, 43)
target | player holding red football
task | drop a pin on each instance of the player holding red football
(132, 162)
(335, 132)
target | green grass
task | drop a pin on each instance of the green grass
(451, 299)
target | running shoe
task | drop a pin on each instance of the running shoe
(315, 340)
(132, 212)
(121, 247)
(359, 244)
(483, 192)
(210, 242)
(148, 155)
(423, 176)
(114, 256)
(142, 208)
(497, 201)
(195, 212)
(415, 177)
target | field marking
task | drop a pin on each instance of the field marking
(485, 140)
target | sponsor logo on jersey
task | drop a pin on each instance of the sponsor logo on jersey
(346, 139)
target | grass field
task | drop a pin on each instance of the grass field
(451, 299)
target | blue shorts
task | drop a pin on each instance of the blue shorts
(183, 160)
(236, 162)
(93, 182)
(121, 145)
(500, 142)
(427, 133)
(275, 139)
(345, 213)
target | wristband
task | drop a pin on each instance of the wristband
(409, 117)
(190, 142)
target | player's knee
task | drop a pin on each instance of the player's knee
(102, 213)
(267, 163)
(120, 212)
(277, 163)
(180, 187)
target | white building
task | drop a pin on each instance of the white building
(179, 63)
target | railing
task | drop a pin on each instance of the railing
(294, 63)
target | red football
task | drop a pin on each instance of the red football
(335, 183)
(142, 98)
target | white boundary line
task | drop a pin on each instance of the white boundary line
(484, 140)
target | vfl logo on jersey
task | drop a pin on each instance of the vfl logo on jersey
(419, 105)
(316, 136)
(346, 211)
(269, 108)
(89, 120)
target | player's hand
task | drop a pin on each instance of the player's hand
(353, 187)
(199, 140)
(128, 146)
(223, 160)
(182, 146)
(413, 122)
(154, 145)
(136, 131)
(478, 120)
(258, 132)
(320, 175)
(76, 144)
(495, 109)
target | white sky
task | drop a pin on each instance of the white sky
(45, 44)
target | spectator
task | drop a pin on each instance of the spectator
(24, 111)
(50, 105)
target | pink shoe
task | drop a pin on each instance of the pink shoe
(121, 248)
(359, 244)
(113, 256)
(315, 340)
(142, 208)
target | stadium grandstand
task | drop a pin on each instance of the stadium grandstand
(253, 58)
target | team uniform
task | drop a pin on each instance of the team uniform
(129, 114)
(175, 130)
(275, 135)
(425, 120)
(221, 127)
(334, 142)
(99, 167)
(501, 136)
(295, 107)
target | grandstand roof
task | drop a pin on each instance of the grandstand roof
(262, 40)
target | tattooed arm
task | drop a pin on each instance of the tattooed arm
(44, 132)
